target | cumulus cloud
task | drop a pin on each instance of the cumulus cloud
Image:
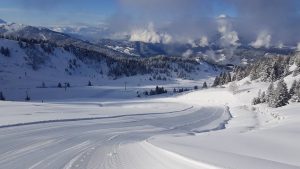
(185, 20)
(263, 40)
(149, 35)
(298, 47)
(229, 37)
(187, 53)
(204, 41)
(280, 17)
(280, 45)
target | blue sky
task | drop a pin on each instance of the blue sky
(52, 12)
(57, 12)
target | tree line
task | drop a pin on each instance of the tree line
(279, 96)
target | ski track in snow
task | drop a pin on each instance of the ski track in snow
(180, 132)
(90, 144)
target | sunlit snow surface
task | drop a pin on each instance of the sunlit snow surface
(187, 131)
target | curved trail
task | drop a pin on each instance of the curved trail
(93, 144)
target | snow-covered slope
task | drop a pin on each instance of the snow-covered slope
(256, 137)
(28, 67)
(185, 131)
(2, 21)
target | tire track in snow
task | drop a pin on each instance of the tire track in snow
(92, 118)
(75, 148)
(106, 140)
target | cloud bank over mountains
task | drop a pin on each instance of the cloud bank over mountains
(257, 22)
(150, 35)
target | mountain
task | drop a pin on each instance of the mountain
(84, 32)
(42, 51)
(213, 50)
(19, 31)
(2, 21)
(32, 55)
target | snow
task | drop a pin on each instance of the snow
(12, 27)
(190, 130)
(106, 126)
(126, 50)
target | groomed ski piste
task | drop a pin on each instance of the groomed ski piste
(110, 128)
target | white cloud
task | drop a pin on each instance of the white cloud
(204, 41)
(263, 40)
(280, 45)
(222, 16)
(149, 35)
(229, 37)
(298, 47)
(192, 42)
(166, 38)
(187, 53)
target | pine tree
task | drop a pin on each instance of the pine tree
(216, 82)
(256, 101)
(196, 87)
(2, 96)
(5, 51)
(227, 78)
(223, 78)
(254, 72)
(281, 94)
(270, 95)
(2, 50)
(90, 83)
(59, 85)
(204, 85)
(272, 76)
(293, 88)
(234, 77)
(43, 85)
(296, 72)
(263, 97)
(27, 98)
(240, 75)
(296, 96)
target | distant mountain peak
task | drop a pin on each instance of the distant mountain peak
(2, 21)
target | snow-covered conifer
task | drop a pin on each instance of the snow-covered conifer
(270, 95)
(204, 85)
(2, 96)
(293, 88)
(281, 94)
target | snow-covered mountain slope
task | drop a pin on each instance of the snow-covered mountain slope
(30, 33)
(125, 48)
(211, 49)
(30, 65)
(85, 32)
(2, 21)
